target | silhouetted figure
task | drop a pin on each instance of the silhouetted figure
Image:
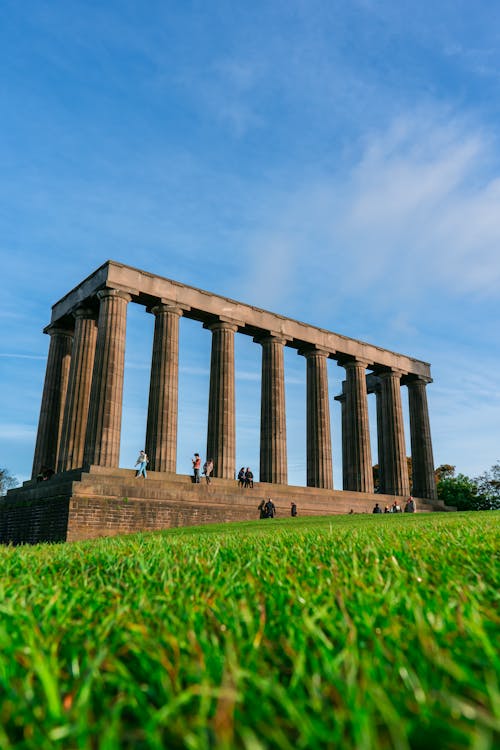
(262, 509)
(241, 477)
(270, 508)
(377, 509)
(248, 478)
(208, 467)
(293, 509)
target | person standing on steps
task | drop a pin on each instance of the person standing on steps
(196, 461)
(142, 462)
(293, 509)
(270, 508)
(208, 467)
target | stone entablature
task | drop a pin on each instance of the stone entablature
(149, 290)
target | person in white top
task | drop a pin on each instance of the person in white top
(142, 462)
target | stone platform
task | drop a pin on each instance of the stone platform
(76, 505)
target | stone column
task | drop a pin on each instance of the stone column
(395, 464)
(221, 433)
(359, 456)
(161, 431)
(424, 484)
(273, 458)
(102, 440)
(380, 438)
(341, 398)
(53, 398)
(319, 439)
(78, 398)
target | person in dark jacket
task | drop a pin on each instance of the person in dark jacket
(293, 509)
(262, 509)
(270, 508)
(377, 509)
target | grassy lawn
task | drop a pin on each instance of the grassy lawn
(344, 632)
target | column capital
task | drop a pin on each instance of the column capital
(314, 351)
(222, 324)
(413, 379)
(393, 372)
(352, 362)
(109, 292)
(58, 329)
(271, 337)
(163, 307)
(85, 313)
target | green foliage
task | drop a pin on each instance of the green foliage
(361, 632)
(488, 485)
(459, 491)
(7, 481)
(481, 493)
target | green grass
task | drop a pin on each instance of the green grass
(345, 632)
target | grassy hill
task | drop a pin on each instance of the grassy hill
(338, 632)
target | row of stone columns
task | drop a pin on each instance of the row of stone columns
(80, 419)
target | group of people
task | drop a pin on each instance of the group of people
(410, 507)
(208, 468)
(245, 477)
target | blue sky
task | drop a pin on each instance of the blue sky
(336, 162)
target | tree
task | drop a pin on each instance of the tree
(445, 471)
(6, 481)
(488, 485)
(460, 491)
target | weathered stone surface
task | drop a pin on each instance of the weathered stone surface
(161, 432)
(101, 502)
(359, 458)
(78, 394)
(221, 434)
(102, 441)
(319, 440)
(423, 484)
(395, 466)
(273, 458)
(53, 398)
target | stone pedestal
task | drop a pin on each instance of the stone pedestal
(102, 441)
(221, 434)
(161, 431)
(78, 396)
(53, 398)
(424, 484)
(273, 458)
(319, 441)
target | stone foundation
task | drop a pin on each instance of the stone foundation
(102, 502)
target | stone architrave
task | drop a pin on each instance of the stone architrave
(273, 455)
(395, 465)
(102, 440)
(423, 481)
(359, 457)
(341, 398)
(78, 396)
(53, 398)
(319, 439)
(221, 432)
(161, 431)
